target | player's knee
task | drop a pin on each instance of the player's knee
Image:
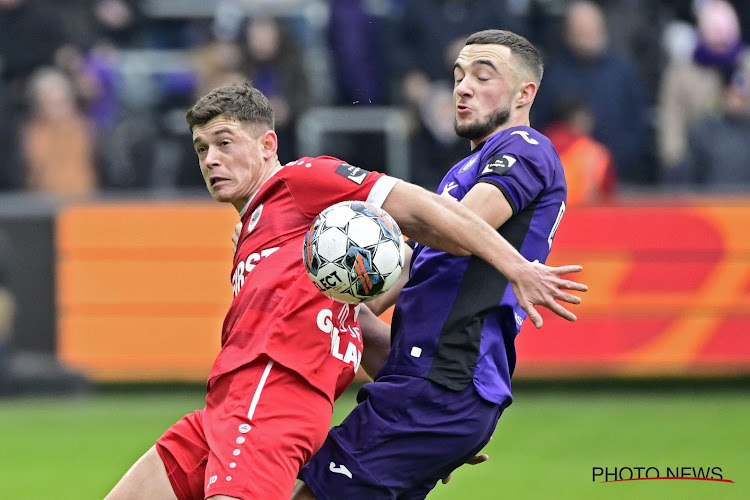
(302, 492)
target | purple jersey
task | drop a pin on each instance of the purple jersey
(457, 318)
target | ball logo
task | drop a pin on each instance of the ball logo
(353, 251)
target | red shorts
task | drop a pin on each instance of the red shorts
(261, 424)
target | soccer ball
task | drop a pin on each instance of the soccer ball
(353, 251)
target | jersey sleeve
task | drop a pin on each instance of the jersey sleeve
(317, 183)
(520, 164)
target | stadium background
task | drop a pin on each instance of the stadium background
(117, 294)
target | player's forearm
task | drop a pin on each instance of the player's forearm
(444, 224)
(376, 337)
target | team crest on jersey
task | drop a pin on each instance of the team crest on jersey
(499, 165)
(254, 218)
(468, 165)
(355, 174)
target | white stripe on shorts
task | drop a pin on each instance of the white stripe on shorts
(256, 396)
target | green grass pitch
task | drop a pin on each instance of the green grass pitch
(545, 446)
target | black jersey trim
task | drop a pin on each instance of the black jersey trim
(504, 190)
(477, 148)
(481, 290)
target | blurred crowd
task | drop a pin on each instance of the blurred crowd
(635, 92)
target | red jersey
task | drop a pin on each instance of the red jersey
(277, 310)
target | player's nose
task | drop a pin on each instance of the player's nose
(212, 158)
(462, 89)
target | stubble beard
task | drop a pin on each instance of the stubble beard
(480, 129)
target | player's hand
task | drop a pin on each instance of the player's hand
(236, 235)
(478, 459)
(542, 285)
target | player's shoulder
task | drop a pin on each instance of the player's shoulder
(308, 167)
(328, 168)
(525, 140)
(523, 143)
(307, 162)
(520, 145)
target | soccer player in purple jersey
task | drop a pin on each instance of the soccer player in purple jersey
(446, 380)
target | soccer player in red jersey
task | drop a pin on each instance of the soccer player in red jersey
(287, 350)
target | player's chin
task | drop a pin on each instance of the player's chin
(221, 195)
(463, 122)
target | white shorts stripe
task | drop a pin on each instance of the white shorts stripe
(256, 396)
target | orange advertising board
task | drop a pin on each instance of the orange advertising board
(142, 289)
(669, 293)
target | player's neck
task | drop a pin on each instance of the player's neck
(266, 173)
(519, 121)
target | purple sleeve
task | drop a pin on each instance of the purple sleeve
(519, 164)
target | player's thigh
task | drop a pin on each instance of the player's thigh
(301, 491)
(405, 435)
(263, 423)
(147, 479)
(183, 450)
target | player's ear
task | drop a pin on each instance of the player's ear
(269, 144)
(526, 93)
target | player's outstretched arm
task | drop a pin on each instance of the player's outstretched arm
(376, 339)
(444, 224)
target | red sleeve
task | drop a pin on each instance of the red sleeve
(317, 183)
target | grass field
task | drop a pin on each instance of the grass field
(545, 447)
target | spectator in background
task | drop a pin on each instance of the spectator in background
(218, 63)
(588, 165)
(356, 38)
(57, 142)
(88, 23)
(273, 62)
(30, 35)
(691, 90)
(719, 146)
(586, 68)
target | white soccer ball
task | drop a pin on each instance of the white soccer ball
(353, 251)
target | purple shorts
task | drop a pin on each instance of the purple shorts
(405, 435)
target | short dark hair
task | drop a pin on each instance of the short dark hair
(518, 45)
(238, 101)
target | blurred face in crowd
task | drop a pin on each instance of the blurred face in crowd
(487, 88)
(586, 30)
(718, 26)
(263, 38)
(52, 95)
(233, 158)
